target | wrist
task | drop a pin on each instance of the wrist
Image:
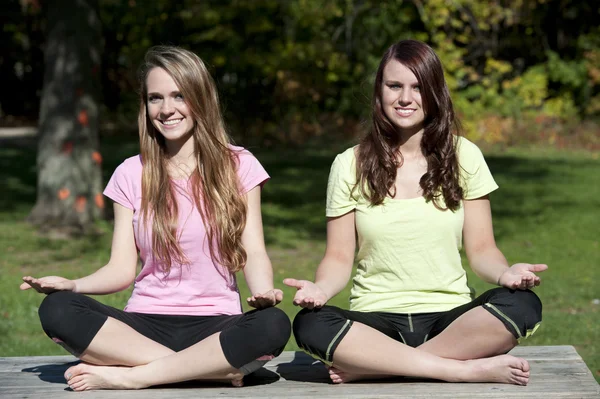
(498, 280)
(75, 288)
(327, 294)
(262, 290)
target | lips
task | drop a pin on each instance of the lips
(171, 122)
(405, 112)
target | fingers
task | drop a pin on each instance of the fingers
(268, 299)
(538, 267)
(292, 282)
(527, 282)
(30, 282)
(278, 295)
(308, 302)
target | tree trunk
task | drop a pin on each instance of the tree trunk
(69, 196)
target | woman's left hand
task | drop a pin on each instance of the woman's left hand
(266, 300)
(521, 276)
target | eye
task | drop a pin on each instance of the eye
(393, 86)
(417, 88)
(179, 96)
(153, 99)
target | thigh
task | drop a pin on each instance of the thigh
(503, 303)
(154, 327)
(319, 331)
(193, 329)
(332, 318)
(75, 319)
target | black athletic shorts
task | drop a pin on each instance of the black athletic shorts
(319, 331)
(73, 320)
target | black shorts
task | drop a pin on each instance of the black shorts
(319, 331)
(73, 320)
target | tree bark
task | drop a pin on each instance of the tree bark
(69, 185)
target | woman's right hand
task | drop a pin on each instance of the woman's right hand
(309, 295)
(47, 285)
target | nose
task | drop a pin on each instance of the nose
(405, 96)
(167, 107)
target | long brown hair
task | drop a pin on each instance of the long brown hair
(377, 155)
(214, 183)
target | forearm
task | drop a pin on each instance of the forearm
(258, 273)
(106, 280)
(333, 275)
(489, 264)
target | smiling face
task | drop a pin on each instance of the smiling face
(166, 106)
(401, 98)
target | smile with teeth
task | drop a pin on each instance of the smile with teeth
(172, 122)
(405, 111)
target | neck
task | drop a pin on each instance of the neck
(181, 159)
(181, 151)
(410, 143)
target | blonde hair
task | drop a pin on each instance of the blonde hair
(214, 183)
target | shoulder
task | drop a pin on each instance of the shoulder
(244, 158)
(466, 148)
(130, 167)
(242, 154)
(468, 153)
(249, 170)
(348, 157)
(343, 168)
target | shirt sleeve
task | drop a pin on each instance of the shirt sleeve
(250, 172)
(477, 180)
(342, 179)
(120, 187)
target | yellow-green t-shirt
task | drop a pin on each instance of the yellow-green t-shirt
(408, 250)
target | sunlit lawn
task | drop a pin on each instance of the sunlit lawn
(546, 211)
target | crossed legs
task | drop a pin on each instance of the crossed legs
(468, 343)
(116, 355)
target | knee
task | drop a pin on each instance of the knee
(530, 304)
(55, 310)
(279, 328)
(305, 322)
(520, 311)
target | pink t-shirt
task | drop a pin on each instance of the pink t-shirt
(200, 288)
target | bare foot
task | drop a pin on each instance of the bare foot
(338, 376)
(238, 382)
(505, 369)
(86, 377)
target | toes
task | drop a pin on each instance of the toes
(74, 370)
(520, 380)
(237, 383)
(77, 382)
(79, 386)
(336, 379)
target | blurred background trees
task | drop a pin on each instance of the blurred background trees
(69, 178)
(291, 70)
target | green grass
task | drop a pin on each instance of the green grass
(545, 211)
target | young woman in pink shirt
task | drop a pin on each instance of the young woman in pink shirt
(189, 207)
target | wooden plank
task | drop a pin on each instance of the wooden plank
(557, 372)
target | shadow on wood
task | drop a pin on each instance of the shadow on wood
(556, 372)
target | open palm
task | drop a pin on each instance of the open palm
(309, 295)
(266, 300)
(48, 284)
(521, 276)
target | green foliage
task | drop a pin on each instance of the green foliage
(287, 69)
